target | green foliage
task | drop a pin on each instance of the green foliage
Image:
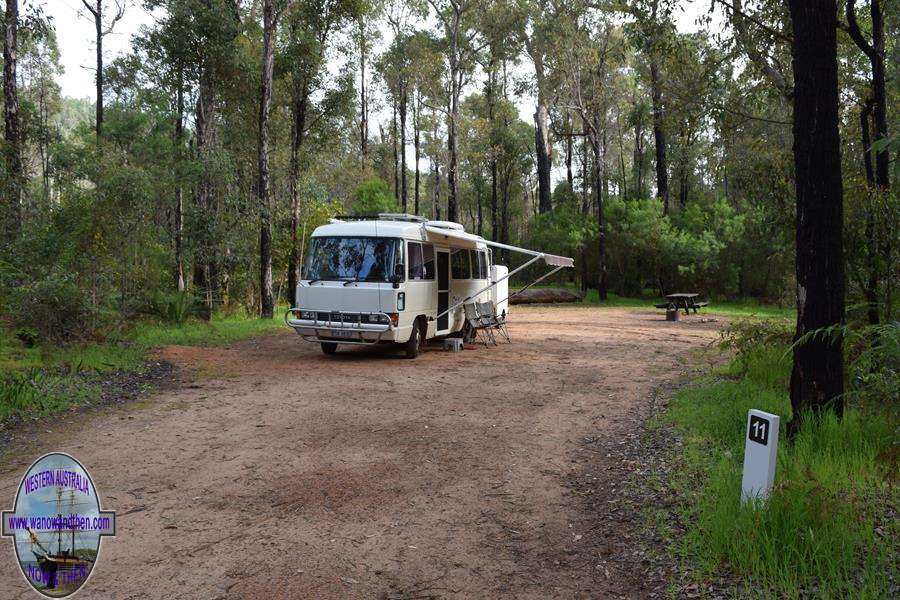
(174, 307)
(374, 196)
(825, 530)
(53, 308)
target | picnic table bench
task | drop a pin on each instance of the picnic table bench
(684, 301)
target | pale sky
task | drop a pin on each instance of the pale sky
(75, 35)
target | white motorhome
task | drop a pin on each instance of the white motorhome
(397, 278)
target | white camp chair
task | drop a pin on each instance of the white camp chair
(477, 323)
(491, 320)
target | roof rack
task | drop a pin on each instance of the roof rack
(383, 217)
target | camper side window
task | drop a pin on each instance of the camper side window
(421, 261)
(459, 264)
(482, 271)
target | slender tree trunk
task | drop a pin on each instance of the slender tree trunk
(870, 287)
(363, 98)
(267, 300)
(299, 104)
(204, 258)
(179, 192)
(396, 151)
(416, 144)
(569, 176)
(598, 198)
(404, 198)
(659, 137)
(491, 86)
(817, 379)
(638, 161)
(585, 204)
(12, 213)
(98, 79)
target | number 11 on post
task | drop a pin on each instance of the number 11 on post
(760, 454)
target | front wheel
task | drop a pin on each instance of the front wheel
(329, 347)
(416, 339)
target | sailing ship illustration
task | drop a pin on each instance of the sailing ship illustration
(68, 559)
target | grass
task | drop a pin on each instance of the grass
(825, 530)
(46, 379)
(728, 308)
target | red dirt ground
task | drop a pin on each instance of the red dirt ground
(284, 473)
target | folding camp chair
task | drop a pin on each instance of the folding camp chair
(476, 322)
(491, 320)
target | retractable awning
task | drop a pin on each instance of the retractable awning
(461, 239)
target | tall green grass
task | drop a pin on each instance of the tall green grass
(825, 530)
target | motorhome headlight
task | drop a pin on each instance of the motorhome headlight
(379, 318)
(307, 315)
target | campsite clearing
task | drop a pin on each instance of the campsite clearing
(282, 473)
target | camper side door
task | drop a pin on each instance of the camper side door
(421, 285)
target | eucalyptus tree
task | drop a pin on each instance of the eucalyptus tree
(458, 20)
(817, 378)
(13, 154)
(311, 27)
(499, 27)
(104, 24)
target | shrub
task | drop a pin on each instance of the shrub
(374, 196)
(54, 308)
(174, 307)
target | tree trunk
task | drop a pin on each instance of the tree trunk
(204, 259)
(659, 137)
(598, 198)
(638, 161)
(267, 300)
(870, 287)
(569, 178)
(817, 379)
(491, 85)
(396, 152)
(299, 104)
(542, 149)
(416, 141)
(12, 214)
(585, 205)
(404, 199)
(98, 24)
(363, 98)
(179, 192)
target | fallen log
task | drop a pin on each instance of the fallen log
(546, 296)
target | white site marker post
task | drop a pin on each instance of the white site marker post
(760, 453)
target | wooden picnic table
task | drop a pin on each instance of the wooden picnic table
(684, 301)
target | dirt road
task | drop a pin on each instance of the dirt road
(283, 473)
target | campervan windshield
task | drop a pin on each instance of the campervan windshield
(352, 258)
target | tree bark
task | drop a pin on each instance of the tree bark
(267, 300)
(817, 378)
(179, 192)
(659, 137)
(12, 213)
(394, 144)
(542, 149)
(416, 143)
(597, 174)
(403, 187)
(299, 107)
(491, 85)
(363, 98)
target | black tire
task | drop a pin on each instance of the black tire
(329, 347)
(416, 339)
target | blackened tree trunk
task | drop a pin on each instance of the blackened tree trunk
(14, 172)
(396, 151)
(204, 258)
(267, 300)
(817, 379)
(542, 149)
(585, 204)
(491, 95)
(659, 137)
